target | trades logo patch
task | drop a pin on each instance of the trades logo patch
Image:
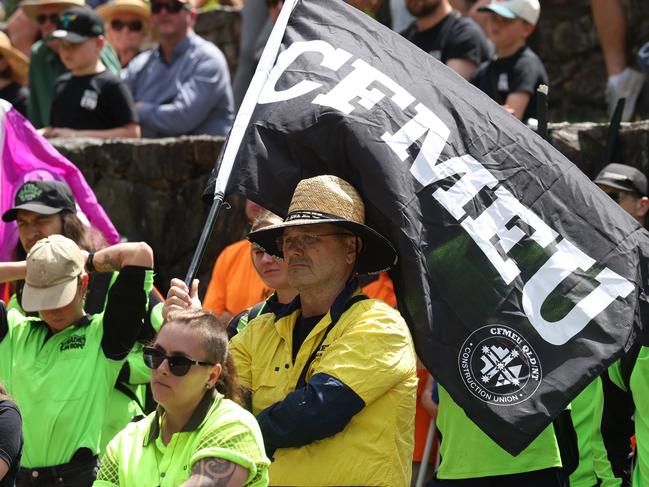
(29, 192)
(499, 366)
(73, 342)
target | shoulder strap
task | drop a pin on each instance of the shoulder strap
(123, 388)
(301, 382)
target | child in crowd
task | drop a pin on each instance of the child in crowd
(515, 72)
(90, 100)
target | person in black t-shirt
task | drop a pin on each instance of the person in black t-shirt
(89, 100)
(446, 35)
(11, 440)
(13, 75)
(512, 77)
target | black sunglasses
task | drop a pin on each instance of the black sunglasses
(171, 7)
(42, 18)
(133, 25)
(179, 365)
(615, 196)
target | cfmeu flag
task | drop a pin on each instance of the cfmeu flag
(26, 155)
(519, 278)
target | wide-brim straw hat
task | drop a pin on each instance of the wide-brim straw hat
(18, 62)
(30, 7)
(136, 7)
(330, 199)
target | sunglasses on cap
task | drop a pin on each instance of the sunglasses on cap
(179, 365)
(172, 7)
(133, 25)
(42, 18)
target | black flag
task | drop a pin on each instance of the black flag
(518, 277)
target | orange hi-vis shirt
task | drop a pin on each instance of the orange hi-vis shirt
(235, 285)
(382, 289)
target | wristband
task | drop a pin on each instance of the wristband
(90, 266)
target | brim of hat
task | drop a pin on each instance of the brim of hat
(107, 10)
(614, 184)
(54, 297)
(377, 254)
(10, 215)
(30, 7)
(71, 37)
(500, 10)
(18, 63)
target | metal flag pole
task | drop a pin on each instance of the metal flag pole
(228, 155)
(542, 111)
(425, 458)
(612, 136)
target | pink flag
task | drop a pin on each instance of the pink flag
(27, 155)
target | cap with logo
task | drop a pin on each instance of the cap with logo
(44, 197)
(528, 10)
(78, 24)
(53, 266)
(621, 176)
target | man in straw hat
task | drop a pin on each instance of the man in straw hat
(13, 75)
(333, 375)
(46, 66)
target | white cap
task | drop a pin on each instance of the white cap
(528, 10)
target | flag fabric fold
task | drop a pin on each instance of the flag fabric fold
(520, 280)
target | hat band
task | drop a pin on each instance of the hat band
(311, 215)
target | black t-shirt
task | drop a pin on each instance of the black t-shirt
(92, 102)
(11, 440)
(521, 72)
(17, 95)
(454, 37)
(303, 327)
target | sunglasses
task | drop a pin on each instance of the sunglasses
(171, 7)
(133, 25)
(615, 196)
(179, 365)
(42, 18)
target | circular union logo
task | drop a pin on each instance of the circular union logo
(499, 366)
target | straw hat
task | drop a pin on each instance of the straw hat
(30, 7)
(136, 7)
(329, 199)
(18, 62)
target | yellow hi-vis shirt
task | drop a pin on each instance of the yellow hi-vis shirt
(370, 350)
(218, 428)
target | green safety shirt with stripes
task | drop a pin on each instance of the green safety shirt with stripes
(218, 428)
(62, 382)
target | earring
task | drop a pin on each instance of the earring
(207, 386)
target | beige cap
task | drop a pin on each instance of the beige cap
(53, 266)
(136, 7)
(528, 10)
(30, 7)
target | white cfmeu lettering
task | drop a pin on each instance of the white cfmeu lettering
(492, 230)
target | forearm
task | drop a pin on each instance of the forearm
(130, 131)
(12, 271)
(116, 257)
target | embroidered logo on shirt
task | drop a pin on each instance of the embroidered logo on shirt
(89, 100)
(73, 342)
(503, 82)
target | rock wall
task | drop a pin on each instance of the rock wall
(222, 26)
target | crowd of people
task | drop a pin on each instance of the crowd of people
(295, 368)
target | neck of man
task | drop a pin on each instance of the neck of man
(169, 42)
(317, 301)
(286, 295)
(176, 417)
(93, 68)
(126, 56)
(432, 19)
(507, 51)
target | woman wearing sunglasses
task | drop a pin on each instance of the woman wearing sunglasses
(126, 27)
(197, 436)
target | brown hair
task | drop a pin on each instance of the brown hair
(3, 393)
(214, 340)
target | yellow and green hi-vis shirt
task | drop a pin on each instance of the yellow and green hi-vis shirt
(219, 428)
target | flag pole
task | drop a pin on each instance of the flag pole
(612, 136)
(238, 131)
(542, 111)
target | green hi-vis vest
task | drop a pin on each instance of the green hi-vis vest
(219, 428)
(467, 452)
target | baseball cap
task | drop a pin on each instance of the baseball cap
(621, 176)
(44, 197)
(528, 10)
(53, 266)
(78, 24)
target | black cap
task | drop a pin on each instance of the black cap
(621, 176)
(44, 197)
(78, 24)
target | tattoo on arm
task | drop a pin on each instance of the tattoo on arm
(107, 264)
(215, 472)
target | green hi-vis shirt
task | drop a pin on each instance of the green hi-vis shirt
(467, 452)
(62, 382)
(218, 428)
(639, 384)
(594, 467)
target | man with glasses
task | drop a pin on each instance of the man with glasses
(628, 187)
(45, 65)
(182, 85)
